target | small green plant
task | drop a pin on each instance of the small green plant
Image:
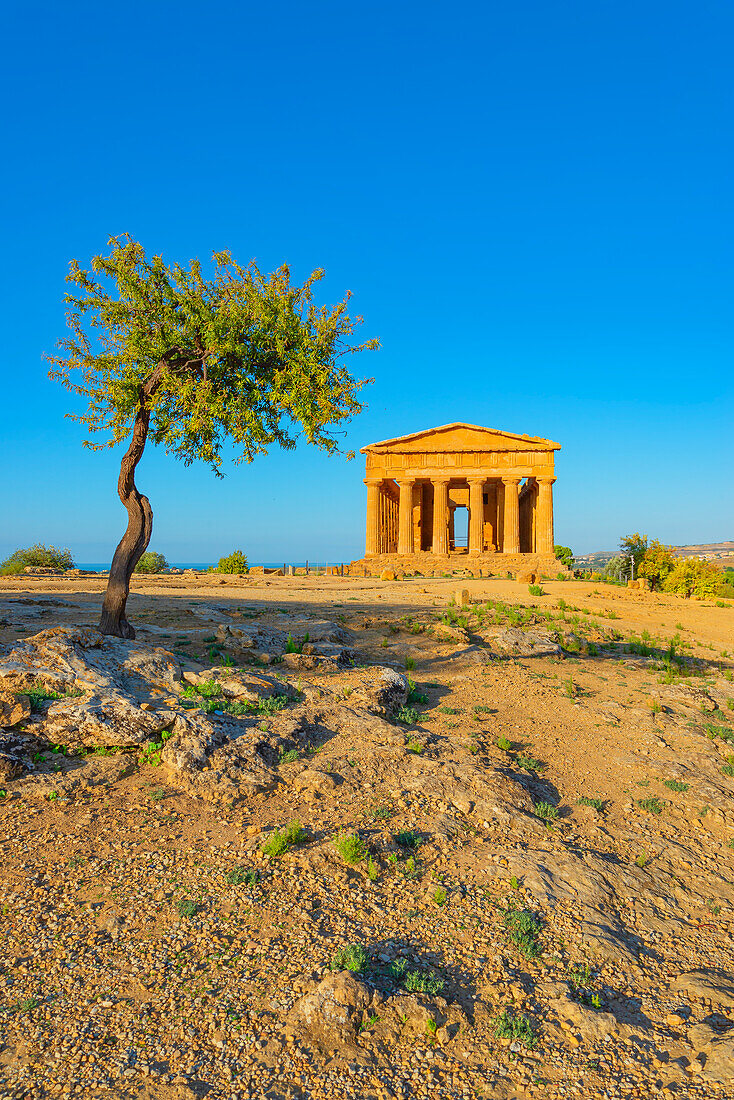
(676, 785)
(728, 768)
(546, 811)
(523, 929)
(536, 590)
(528, 763)
(595, 803)
(514, 882)
(414, 746)
(372, 871)
(408, 839)
(283, 839)
(409, 663)
(187, 907)
(352, 957)
(440, 895)
(239, 876)
(415, 981)
(569, 687)
(516, 1028)
(287, 756)
(641, 860)
(651, 805)
(350, 847)
(380, 811)
(408, 716)
(579, 976)
(504, 744)
(414, 695)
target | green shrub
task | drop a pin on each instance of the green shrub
(236, 562)
(536, 590)
(350, 847)
(564, 555)
(283, 839)
(523, 929)
(352, 957)
(516, 1028)
(38, 557)
(151, 562)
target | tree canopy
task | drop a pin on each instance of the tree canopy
(238, 356)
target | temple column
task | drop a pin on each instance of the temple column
(511, 541)
(372, 543)
(405, 517)
(476, 515)
(544, 516)
(441, 516)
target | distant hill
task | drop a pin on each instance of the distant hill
(720, 552)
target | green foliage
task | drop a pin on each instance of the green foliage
(595, 803)
(440, 895)
(564, 554)
(415, 981)
(350, 847)
(186, 907)
(634, 548)
(516, 1028)
(352, 957)
(236, 562)
(529, 763)
(283, 839)
(408, 838)
(38, 557)
(288, 756)
(652, 805)
(657, 564)
(151, 562)
(240, 875)
(238, 355)
(536, 590)
(546, 811)
(676, 785)
(504, 744)
(693, 577)
(523, 929)
(407, 715)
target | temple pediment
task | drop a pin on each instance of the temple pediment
(456, 438)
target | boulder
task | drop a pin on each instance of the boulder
(10, 768)
(331, 1012)
(382, 690)
(387, 575)
(13, 709)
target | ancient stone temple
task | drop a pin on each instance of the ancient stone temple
(417, 483)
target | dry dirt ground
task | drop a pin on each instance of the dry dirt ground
(522, 834)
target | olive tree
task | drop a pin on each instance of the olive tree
(195, 363)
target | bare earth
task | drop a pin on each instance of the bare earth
(149, 948)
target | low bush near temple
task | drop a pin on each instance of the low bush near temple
(38, 557)
(236, 562)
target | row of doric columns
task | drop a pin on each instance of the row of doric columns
(376, 515)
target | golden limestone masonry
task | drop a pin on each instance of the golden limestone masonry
(416, 482)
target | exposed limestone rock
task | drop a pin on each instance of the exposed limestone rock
(716, 986)
(513, 642)
(13, 709)
(330, 1013)
(10, 767)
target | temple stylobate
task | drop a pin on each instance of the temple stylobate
(417, 483)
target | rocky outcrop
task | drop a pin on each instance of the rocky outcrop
(13, 709)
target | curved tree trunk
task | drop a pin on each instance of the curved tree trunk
(139, 523)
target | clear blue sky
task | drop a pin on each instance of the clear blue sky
(532, 203)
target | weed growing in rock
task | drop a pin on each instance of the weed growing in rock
(352, 957)
(239, 876)
(288, 756)
(504, 744)
(528, 763)
(652, 805)
(372, 872)
(408, 716)
(415, 981)
(350, 847)
(414, 695)
(516, 1028)
(595, 803)
(283, 839)
(440, 896)
(523, 929)
(187, 907)
(676, 785)
(408, 839)
(414, 746)
(546, 811)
